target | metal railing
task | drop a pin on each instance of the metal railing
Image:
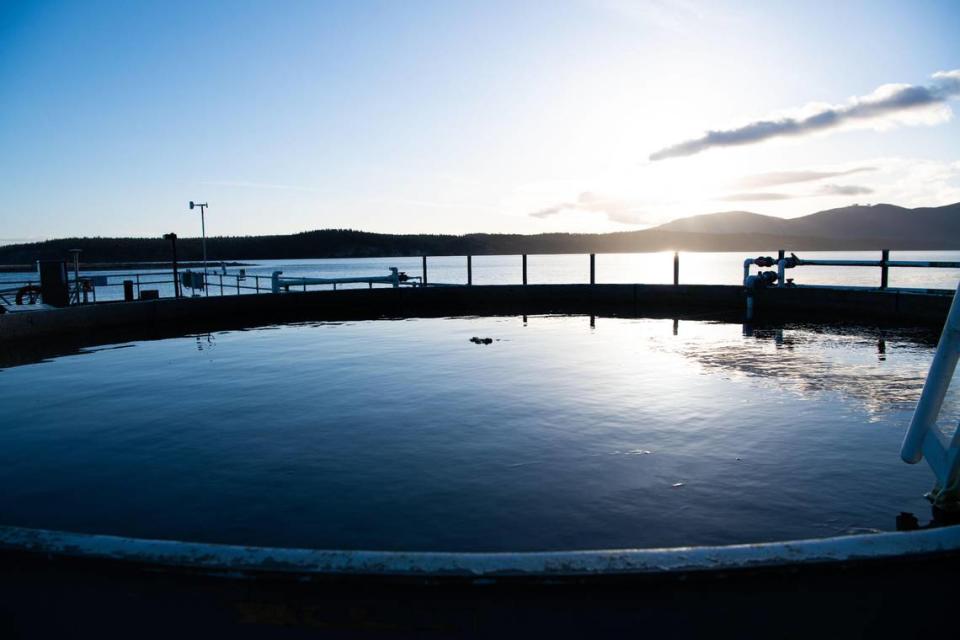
(784, 262)
(95, 287)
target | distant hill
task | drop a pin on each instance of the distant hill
(894, 226)
(727, 222)
(881, 226)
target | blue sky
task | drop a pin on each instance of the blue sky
(455, 117)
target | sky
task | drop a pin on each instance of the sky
(462, 117)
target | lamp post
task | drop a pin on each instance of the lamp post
(203, 229)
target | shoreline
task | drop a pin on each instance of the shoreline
(114, 266)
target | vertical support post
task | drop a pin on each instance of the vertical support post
(884, 268)
(138, 286)
(676, 268)
(275, 281)
(221, 283)
(469, 271)
(424, 270)
(256, 282)
(524, 269)
(238, 284)
(172, 237)
(781, 268)
(593, 268)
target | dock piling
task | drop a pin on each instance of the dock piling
(469, 271)
(524, 268)
(424, 269)
(676, 268)
(593, 268)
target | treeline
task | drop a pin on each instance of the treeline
(347, 243)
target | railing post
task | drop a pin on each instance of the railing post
(884, 268)
(138, 286)
(424, 270)
(221, 283)
(781, 270)
(676, 268)
(524, 269)
(593, 268)
(238, 284)
(469, 270)
(256, 281)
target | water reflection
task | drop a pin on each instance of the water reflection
(812, 360)
(204, 341)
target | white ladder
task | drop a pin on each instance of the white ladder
(923, 439)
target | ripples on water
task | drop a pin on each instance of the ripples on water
(406, 435)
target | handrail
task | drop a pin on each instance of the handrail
(923, 439)
(782, 263)
(231, 283)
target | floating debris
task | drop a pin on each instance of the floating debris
(677, 484)
(476, 340)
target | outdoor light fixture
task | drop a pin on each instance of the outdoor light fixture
(203, 229)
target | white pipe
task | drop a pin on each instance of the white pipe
(275, 281)
(935, 388)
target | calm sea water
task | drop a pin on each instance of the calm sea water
(649, 268)
(406, 435)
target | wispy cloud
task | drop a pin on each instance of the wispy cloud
(775, 178)
(825, 190)
(756, 197)
(242, 184)
(844, 190)
(885, 101)
(615, 210)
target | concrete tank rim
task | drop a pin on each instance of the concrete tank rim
(240, 561)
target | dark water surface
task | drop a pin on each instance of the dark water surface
(405, 435)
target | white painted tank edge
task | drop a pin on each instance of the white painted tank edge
(240, 559)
